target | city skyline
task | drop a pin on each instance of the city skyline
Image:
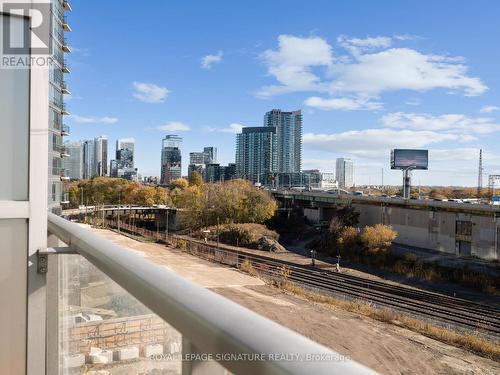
(452, 109)
(104, 271)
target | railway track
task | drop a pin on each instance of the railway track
(437, 307)
(446, 309)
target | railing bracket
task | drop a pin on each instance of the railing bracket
(42, 262)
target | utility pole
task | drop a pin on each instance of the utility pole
(480, 174)
(217, 232)
(118, 212)
(166, 226)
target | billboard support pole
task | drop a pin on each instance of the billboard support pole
(407, 182)
(407, 160)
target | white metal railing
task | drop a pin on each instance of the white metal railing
(207, 321)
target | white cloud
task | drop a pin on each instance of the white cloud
(371, 68)
(357, 45)
(489, 109)
(93, 119)
(149, 92)
(323, 165)
(233, 128)
(404, 37)
(413, 102)
(402, 69)
(291, 64)
(454, 154)
(174, 126)
(448, 122)
(376, 142)
(83, 51)
(344, 104)
(209, 60)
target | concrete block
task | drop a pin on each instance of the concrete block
(75, 360)
(101, 356)
(153, 349)
(130, 352)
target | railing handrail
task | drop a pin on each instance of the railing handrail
(211, 322)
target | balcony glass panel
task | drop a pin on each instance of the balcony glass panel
(102, 327)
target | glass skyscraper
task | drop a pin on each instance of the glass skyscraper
(74, 163)
(88, 159)
(210, 155)
(171, 159)
(256, 154)
(101, 156)
(344, 173)
(289, 138)
(123, 165)
(57, 108)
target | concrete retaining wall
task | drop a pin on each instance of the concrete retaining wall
(428, 228)
(435, 230)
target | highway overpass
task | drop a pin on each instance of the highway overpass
(451, 227)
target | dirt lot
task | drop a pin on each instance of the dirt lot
(383, 347)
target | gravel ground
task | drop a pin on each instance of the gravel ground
(383, 347)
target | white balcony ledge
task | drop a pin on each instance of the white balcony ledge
(67, 6)
(208, 321)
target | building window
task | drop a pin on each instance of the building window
(54, 192)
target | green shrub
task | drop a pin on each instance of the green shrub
(348, 239)
(238, 234)
(410, 258)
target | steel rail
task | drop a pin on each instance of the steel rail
(448, 315)
(387, 288)
(435, 296)
(387, 299)
(209, 321)
(487, 311)
(471, 318)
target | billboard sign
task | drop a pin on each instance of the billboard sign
(412, 159)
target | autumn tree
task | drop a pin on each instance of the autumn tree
(105, 190)
(234, 201)
(378, 238)
(179, 183)
(195, 179)
(74, 195)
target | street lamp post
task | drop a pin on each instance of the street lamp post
(118, 212)
(217, 232)
(166, 226)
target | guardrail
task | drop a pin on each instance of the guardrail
(414, 203)
(210, 322)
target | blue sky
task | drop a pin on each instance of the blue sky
(368, 75)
